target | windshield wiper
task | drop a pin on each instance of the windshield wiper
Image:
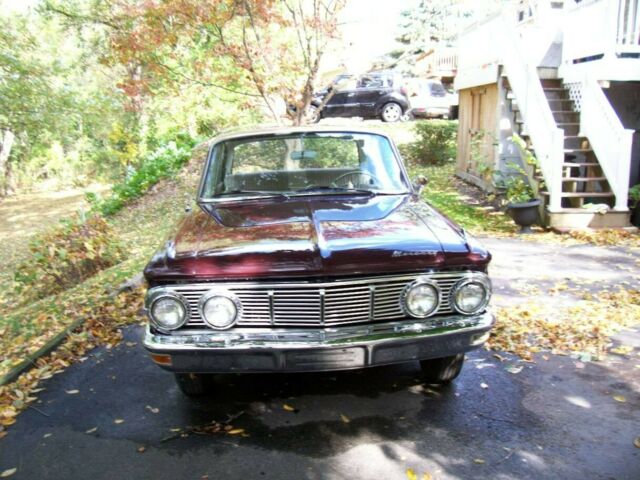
(264, 193)
(329, 189)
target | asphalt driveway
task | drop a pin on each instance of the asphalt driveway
(117, 415)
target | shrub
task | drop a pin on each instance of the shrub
(435, 144)
(67, 255)
(163, 162)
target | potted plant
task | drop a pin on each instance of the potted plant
(634, 203)
(522, 206)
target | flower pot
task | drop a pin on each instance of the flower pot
(635, 216)
(524, 214)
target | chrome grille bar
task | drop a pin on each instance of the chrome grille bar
(305, 303)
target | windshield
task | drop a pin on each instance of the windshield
(304, 164)
(435, 89)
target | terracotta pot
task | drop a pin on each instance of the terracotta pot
(524, 214)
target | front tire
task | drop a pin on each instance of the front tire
(391, 112)
(442, 370)
(192, 384)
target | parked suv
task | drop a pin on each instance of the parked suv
(430, 99)
(373, 95)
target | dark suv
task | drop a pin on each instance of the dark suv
(375, 94)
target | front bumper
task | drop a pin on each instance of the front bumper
(300, 350)
(430, 111)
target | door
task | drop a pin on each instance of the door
(340, 104)
(367, 95)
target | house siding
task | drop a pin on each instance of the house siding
(477, 133)
(625, 100)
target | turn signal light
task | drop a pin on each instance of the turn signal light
(162, 359)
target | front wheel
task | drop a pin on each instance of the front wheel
(391, 112)
(192, 384)
(312, 115)
(442, 370)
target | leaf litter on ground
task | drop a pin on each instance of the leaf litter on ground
(583, 329)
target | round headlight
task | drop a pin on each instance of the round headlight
(421, 299)
(219, 310)
(471, 295)
(168, 313)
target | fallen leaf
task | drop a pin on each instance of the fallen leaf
(426, 476)
(619, 398)
(118, 421)
(479, 461)
(344, 418)
(91, 430)
(411, 474)
(141, 449)
(8, 472)
(235, 431)
(622, 350)
(636, 442)
(47, 435)
(484, 385)
(72, 392)
(288, 408)
(514, 369)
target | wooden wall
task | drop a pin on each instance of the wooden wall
(477, 133)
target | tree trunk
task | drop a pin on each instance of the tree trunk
(6, 142)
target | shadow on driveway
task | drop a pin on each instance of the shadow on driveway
(544, 422)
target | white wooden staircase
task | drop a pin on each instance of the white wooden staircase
(551, 60)
(586, 198)
(583, 151)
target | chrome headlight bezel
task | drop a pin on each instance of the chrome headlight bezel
(471, 278)
(224, 294)
(421, 281)
(161, 294)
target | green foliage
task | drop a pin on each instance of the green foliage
(515, 185)
(517, 189)
(435, 144)
(66, 256)
(477, 153)
(441, 192)
(163, 162)
(634, 195)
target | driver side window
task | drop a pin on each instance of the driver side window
(370, 82)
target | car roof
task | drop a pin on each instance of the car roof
(268, 131)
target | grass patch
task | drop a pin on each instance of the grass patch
(140, 228)
(443, 194)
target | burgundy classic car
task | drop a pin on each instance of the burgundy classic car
(311, 250)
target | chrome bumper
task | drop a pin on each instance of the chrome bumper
(299, 349)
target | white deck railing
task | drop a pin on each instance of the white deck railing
(548, 140)
(598, 29)
(628, 33)
(610, 141)
(446, 60)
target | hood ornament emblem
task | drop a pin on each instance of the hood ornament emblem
(401, 253)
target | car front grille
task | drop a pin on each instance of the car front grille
(308, 304)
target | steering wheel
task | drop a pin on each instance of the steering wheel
(356, 175)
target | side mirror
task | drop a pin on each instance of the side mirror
(419, 183)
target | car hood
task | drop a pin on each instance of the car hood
(313, 236)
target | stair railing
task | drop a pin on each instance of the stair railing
(610, 141)
(547, 138)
